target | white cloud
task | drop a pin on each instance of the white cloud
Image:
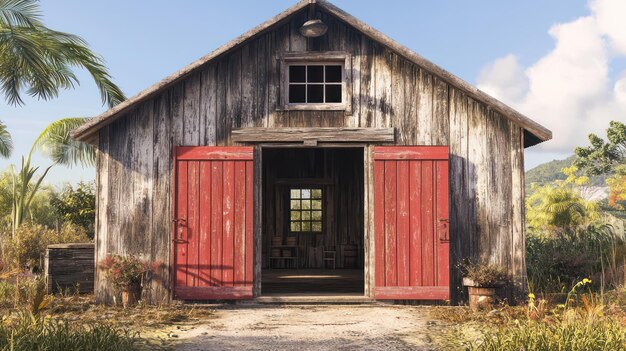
(610, 17)
(570, 89)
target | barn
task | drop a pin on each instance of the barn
(312, 155)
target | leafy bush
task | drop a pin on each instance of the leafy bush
(124, 271)
(33, 333)
(554, 263)
(77, 205)
(28, 246)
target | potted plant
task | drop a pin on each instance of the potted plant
(127, 274)
(481, 281)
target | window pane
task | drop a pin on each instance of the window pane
(316, 227)
(306, 226)
(315, 93)
(295, 215)
(333, 74)
(295, 193)
(316, 193)
(306, 204)
(315, 74)
(297, 93)
(317, 215)
(297, 74)
(306, 193)
(333, 93)
(295, 204)
(316, 204)
(295, 226)
(306, 215)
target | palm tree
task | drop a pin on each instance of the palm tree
(39, 61)
(55, 142)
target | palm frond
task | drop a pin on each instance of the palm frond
(19, 13)
(6, 142)
(39, 61)
(56, 143)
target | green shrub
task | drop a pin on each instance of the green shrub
(27, 248)
(31, 333)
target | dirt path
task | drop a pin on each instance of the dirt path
(310, 328)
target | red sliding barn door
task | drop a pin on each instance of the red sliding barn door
(212, 243)
(411, 223)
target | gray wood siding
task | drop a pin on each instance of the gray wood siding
(242, 89)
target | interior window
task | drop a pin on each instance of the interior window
(305, 210)
(315, 83)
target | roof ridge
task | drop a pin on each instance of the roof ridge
(86, 131)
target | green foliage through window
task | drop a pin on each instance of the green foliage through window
(305, 210)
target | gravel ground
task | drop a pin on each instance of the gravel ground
(358, 327)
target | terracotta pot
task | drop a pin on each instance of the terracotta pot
(131, 294)
(481, 298)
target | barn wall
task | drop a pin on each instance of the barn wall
(242, 89)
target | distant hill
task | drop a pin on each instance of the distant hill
(551, 171)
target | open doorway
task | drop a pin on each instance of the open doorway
(313, 227)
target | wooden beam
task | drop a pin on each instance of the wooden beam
(320, 135)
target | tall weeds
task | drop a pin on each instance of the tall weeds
(556, 262)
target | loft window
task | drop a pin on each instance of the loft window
(315, 83)
(305, 210)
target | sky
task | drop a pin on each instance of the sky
(560, 62)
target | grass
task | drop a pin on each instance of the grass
(584, 321)
(576, 334)
(28, 333)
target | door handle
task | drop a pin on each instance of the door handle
(444, 229)
(181, 223)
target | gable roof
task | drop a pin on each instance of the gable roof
(538, 133)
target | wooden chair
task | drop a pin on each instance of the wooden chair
(330, 255)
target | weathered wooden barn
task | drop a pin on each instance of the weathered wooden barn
(311, 155)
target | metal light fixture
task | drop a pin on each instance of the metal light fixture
(313, 28)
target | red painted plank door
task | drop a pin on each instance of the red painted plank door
(213, 246)
(411, 230)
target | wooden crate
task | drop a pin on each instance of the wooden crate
(68, 266)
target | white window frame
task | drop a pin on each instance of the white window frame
(317, 58)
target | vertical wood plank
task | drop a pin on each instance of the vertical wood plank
(249, 223)
(191, 110)
(379, 222)
(428, 230)
(382, 77)
(415, 240)
(193, 222)
(402, 245)
(249, 84)
(518, 241)
(208, 105)
(204, 222)
(228, 223)
(442, 216)
(233, 117)
(391, 264)
(440, 124)
(216, 218)
(424, 109)
(368, 85)
(181, 210)
(239, 245)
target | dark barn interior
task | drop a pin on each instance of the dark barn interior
(313, 221)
